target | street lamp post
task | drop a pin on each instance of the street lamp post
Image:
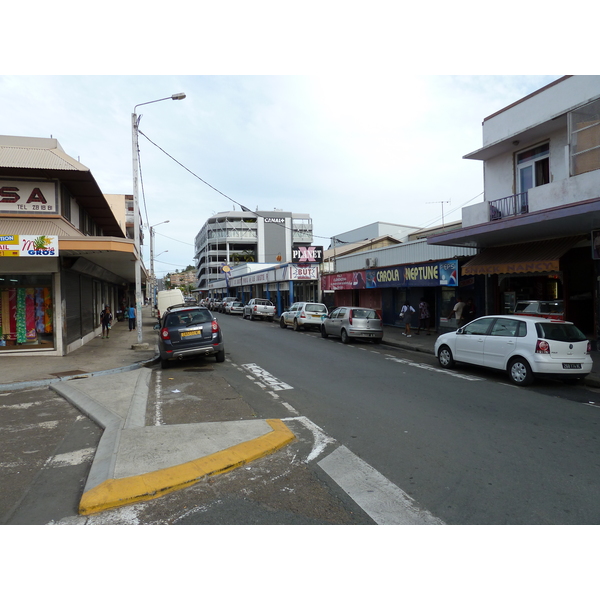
(136, 212)
(152, 278)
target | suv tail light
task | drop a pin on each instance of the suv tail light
(164, 334)
(215, 326)
(542, 347)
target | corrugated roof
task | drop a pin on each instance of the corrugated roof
(38, 158)
(47, 226)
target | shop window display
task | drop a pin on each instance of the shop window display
(26, 313)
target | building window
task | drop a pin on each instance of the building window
(533, 168)
(65, 202)
(584, 136)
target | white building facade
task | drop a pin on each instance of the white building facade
(541, 210)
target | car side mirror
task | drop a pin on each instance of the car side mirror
(156, 327)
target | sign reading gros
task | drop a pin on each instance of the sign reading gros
(28, 245)
(307, 254)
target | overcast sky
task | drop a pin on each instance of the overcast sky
(347, 150)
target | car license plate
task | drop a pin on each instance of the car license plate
(571, 365)
(190, 333)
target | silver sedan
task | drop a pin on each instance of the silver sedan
(348, 322)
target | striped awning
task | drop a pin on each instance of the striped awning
(533, 257)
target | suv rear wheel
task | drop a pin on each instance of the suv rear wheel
(297, 326)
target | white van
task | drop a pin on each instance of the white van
(168, 298)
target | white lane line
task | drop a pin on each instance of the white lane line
(425, 367)
(290, 408)
(383, 501)
(265, 379)
(158, 404)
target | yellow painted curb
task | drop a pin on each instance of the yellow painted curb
(118, 492)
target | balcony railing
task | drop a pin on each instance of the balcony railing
(510, 206)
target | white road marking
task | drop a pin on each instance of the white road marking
(158, 405)
(321, 439)
(383, 501)
(290, 408)
(266, 380)
(70, 458)
(425, 367)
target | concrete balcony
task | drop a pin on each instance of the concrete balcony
(552, 195)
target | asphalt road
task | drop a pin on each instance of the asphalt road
(455, 447)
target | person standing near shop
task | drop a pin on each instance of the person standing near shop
(406, 315)
(106, 321)
(423, 316)
(131, 317)
(458, 312)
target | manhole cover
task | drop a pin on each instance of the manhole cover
(67, 373)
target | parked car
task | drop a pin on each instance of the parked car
(235, 308)
(259, 308)
(551, 309)
(303, 315)
(348, 322)
(189, 331)
(221, 304)
(525, 347)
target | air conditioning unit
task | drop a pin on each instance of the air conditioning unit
(371, 262)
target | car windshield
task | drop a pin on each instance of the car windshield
(318, 308)
(187, 317)
(560, 332)
(364, 313)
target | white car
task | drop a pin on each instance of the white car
(524, 347)
(303, 315)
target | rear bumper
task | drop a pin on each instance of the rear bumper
(362, 333)
(208, 350)
(555, 368)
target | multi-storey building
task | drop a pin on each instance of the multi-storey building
(231, 238)
(537, 226)
(63, 252)
(184, 278)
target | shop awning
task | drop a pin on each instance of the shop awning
(533, 257)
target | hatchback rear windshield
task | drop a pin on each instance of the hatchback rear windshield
(560, 332)
(187, 317)
(364, 313)
(318, 308)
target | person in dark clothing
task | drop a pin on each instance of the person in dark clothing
(469, 311)
(106, 321)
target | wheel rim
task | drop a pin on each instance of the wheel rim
(445, 357)
(518, 372)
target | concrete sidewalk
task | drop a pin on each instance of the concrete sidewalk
(107, 380)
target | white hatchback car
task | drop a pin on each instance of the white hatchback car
(524, 347)
(302, 315)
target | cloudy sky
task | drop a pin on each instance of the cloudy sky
(348, 150)
(350, 117)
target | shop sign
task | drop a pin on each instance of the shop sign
(308, 272)
(28, 197)
(307, 254)
(28, 245)
(255, 278)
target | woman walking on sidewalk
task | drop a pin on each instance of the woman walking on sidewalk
(131, 317)
(106, 320)
(406, 315)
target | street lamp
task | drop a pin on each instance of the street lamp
(136, 212)
(152, 278)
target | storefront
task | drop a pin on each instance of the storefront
(387, 289)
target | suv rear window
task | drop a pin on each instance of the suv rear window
(187, 317)
(560, 332)
(320, 308)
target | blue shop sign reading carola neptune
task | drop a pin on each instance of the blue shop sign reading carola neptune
(420, 275)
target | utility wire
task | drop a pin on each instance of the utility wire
(246, 209)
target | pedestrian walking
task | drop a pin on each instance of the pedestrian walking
(106, 321)
(131, 316)
(423, 316)
(406, 314)
(458, 312)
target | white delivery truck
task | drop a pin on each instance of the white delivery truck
(168, 298)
